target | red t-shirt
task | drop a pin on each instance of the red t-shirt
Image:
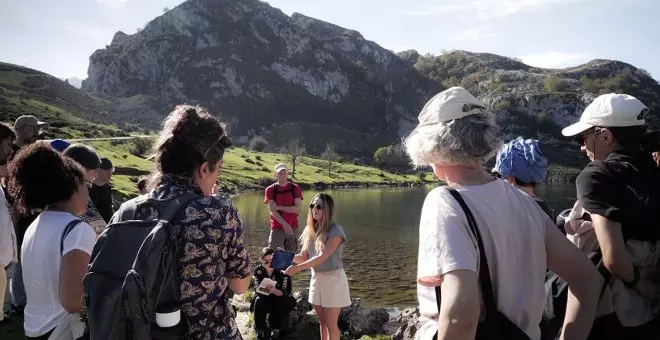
(286, 196)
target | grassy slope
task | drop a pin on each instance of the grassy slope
(243, 170)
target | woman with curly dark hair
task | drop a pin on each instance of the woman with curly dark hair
(57, 245)
(212, 260)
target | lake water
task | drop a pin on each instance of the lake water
(380, 256)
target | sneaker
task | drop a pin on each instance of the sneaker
(275, 334)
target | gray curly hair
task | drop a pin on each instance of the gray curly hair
(472, 139)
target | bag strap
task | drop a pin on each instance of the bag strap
(169, 208)
(67, 230)
(484, 273)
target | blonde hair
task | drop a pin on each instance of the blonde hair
(316, 232)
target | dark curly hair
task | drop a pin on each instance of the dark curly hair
(40, 176)
(190, 136)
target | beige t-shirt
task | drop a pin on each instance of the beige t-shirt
(513, 229)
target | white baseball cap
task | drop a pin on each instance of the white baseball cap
(609, 110)
(450, 104)
(279, 167)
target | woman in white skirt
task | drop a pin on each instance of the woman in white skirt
(322, 243)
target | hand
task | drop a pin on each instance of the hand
(292, 270)
(214, 190)
(287, 229)
(4, 171)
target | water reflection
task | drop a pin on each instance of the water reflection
(381, 224)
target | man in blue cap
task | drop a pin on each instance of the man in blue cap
(521, 163)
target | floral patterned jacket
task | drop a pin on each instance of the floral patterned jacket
(211, 251)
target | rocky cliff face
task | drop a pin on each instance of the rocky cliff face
(285, 76)
(260, 68)
(534, 102)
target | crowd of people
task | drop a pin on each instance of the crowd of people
(52, 238)
(479, 221)
(487, 243)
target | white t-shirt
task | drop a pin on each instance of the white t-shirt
(8, 246)
(513, 229)
(40, 257)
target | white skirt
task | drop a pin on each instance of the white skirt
(329, 289)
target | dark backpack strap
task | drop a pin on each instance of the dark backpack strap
(169, 208)
(67, 230)
(484, 273)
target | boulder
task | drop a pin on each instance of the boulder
(409, 324)
(358, 321)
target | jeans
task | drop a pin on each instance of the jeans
(16, 288)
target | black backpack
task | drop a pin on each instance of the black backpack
(132, 274)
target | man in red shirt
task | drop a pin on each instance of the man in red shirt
(284, 199)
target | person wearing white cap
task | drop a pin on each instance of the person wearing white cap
(620, 188)
(284, 199)
(456, 135)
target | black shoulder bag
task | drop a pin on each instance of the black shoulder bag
(495, 325)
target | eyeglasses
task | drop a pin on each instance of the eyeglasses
(317, 206)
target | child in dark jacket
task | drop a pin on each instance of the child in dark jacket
(274, 301)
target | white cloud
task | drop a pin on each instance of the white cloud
(114, 3)
(83, 29)
(553, 59)
(472, 34)
(482, 8)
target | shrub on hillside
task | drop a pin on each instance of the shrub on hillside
(141, 146)
(556, 84)
(390, 156)
(258, 143)
(247, 160)
(265, 181)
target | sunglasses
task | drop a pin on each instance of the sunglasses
(317, 206)
(581, 139)
(267, 261)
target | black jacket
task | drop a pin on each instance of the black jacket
(283, 282)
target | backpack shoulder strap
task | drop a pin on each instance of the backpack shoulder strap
(484, 273)
(169, 208)
(67, 230)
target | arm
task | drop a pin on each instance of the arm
(302, 257)
(276, 215)
(238, 260)
(582, 277)
(610, 239)
(72, 269)
(291, 209)
(460, 305)
(330, 247)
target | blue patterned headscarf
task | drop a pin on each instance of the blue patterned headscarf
(523, 159)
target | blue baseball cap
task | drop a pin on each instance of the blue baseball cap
(59, 144)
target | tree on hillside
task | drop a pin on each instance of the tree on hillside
(330, 156)
(258, 143)
(295, 150)
(391, 156)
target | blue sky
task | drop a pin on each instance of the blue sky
(59, 36)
